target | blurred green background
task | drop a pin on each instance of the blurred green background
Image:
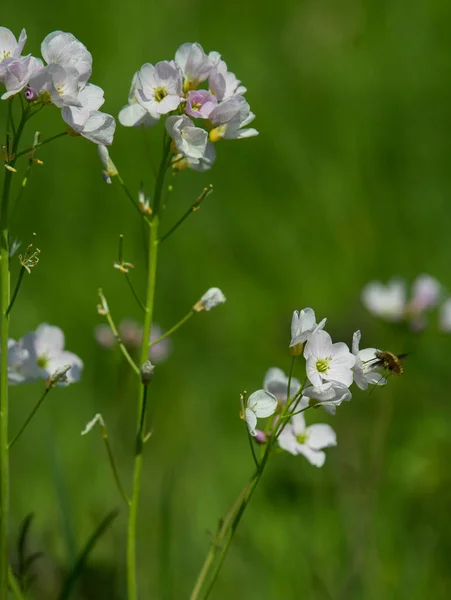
(349, 181)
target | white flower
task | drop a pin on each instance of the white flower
(329, 395)
(222, 83)
(260, 404)
(9, 46)
(46, 354)
(276, 383)
(386, 301)
(296, 438)
(181, 162)
(64, 49)
(365, 372)
(303, 325)
(133, 114)
(17, 356)
(16, 73)
(89, 426)
(86, 120)
(327, 361)
(425, 294)
(230, 120)
(445, 316)
(194, 64)
(212, 297)
(160, 87)
(189, 139)
(58, 85)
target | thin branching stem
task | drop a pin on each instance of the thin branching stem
(47, 141)
(169, 332)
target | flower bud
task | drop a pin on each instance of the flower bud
(30, 95)
(147, 371)
(212, 297)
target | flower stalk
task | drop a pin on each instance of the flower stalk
(5, 295)
(152, 259)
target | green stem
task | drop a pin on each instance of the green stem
(111, 323)
(4, 333)
(172, 330)
(30, 416)
(145, 346)
(15, 588)
(16, 290)
(109, 450)
(193, 208)
(130, 197)
(50, 139)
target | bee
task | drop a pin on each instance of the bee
(389, 361)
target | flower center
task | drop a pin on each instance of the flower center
(196, 105)
(160, 93)
(302, 438)
(42, 361)
(4, 54)
(322, 364)
(60, 88)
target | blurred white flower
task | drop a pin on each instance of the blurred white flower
(130, 333)
(303, 325)
(327, 361)
(212, 298)
(296, 438)
(385, 301)
(260, 404)
(46, 354)
(365, 371)
(329, 395)
(17, 356)
(276, 383)
(445, 316)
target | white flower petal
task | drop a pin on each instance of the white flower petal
(321, 436)
(262, 403)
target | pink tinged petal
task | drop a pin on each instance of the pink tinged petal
(426, 293)
(251, 420)
(321, 436)
(262, 403)
(445, 316)
(298, 424)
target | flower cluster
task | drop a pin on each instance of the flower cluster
(130, 333)
(40, 354)
(392, 303)
(197, 117)
(331, 368)
(62, 81)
